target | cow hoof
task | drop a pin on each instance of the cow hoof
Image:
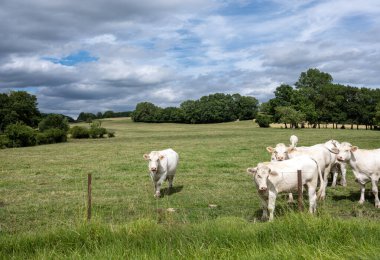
(377, 206)
(157, 195)
(361, 202)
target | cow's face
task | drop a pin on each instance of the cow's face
(279, 153)
(260, 176)
(332, 146)
(345, 150)
(154, 160)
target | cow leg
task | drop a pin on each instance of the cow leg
(322, 190)
(264, 206)
(158, 190)
(343, 170)
(375, 192)
(271, 204)
(362, 191)
(335, 176)
(290, 200)
(170, 180)
(312, 197)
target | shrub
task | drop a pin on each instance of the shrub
(54, 121)
(4, 141)
(20, 135)
(79, 132)
(97, 132)
(263, 120)
(110, 133)
(52, 136)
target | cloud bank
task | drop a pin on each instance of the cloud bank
(94, 55)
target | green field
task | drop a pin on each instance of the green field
(43, 199)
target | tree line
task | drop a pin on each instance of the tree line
(88, 117)
(22, 124)
(315, 100)
(214, 108)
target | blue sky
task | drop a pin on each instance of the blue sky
(94, 55)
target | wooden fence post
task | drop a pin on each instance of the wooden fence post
(300, 195)
(89, 183)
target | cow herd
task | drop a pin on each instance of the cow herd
(280, 174)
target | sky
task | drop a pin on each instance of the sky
(95, 55)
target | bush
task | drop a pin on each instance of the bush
(54, 121)
(20, 135)
(79, 132)
(52, 136)
(110, 133)
(4, 141)
(263, 120)
(97, 132)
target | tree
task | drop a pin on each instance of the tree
(291, 116)
(18, 106)
(377, 115)
(54, 121)
(246, 107)
(86, 117)
(146, 112)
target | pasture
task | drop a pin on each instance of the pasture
(43, 199)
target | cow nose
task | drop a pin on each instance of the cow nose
(153, 169)
(263, 188)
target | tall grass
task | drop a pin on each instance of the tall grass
(43, 198)
(292, 237)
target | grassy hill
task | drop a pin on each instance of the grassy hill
(43, 197)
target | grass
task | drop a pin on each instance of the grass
(43, 197)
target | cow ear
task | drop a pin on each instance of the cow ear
(334, 150)
(354, 148)
(252, 171)
(291, 149)
(270, 149)
(161, 157)
(273, 173)
(146, 156)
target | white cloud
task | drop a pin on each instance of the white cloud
(169, 51)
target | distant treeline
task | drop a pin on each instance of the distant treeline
(88, 117)
(315, 100)
(213, 108)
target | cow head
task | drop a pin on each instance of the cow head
(333, 146)
(345, 150)
(154, 159)
(260, 175)
(280, 152)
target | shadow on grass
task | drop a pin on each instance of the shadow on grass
(169, 192)
(354, 196)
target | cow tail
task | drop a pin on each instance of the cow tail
(321, 181)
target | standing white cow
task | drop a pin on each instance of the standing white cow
(365, 165)
(274, 177)
(293, 140)
(318, 152)
(338, 166)
(162, 166)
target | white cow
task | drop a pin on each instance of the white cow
(293, 140)
(162, 166)
(365, 165)
(274, 177)
(318, 152)
(338, 167)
